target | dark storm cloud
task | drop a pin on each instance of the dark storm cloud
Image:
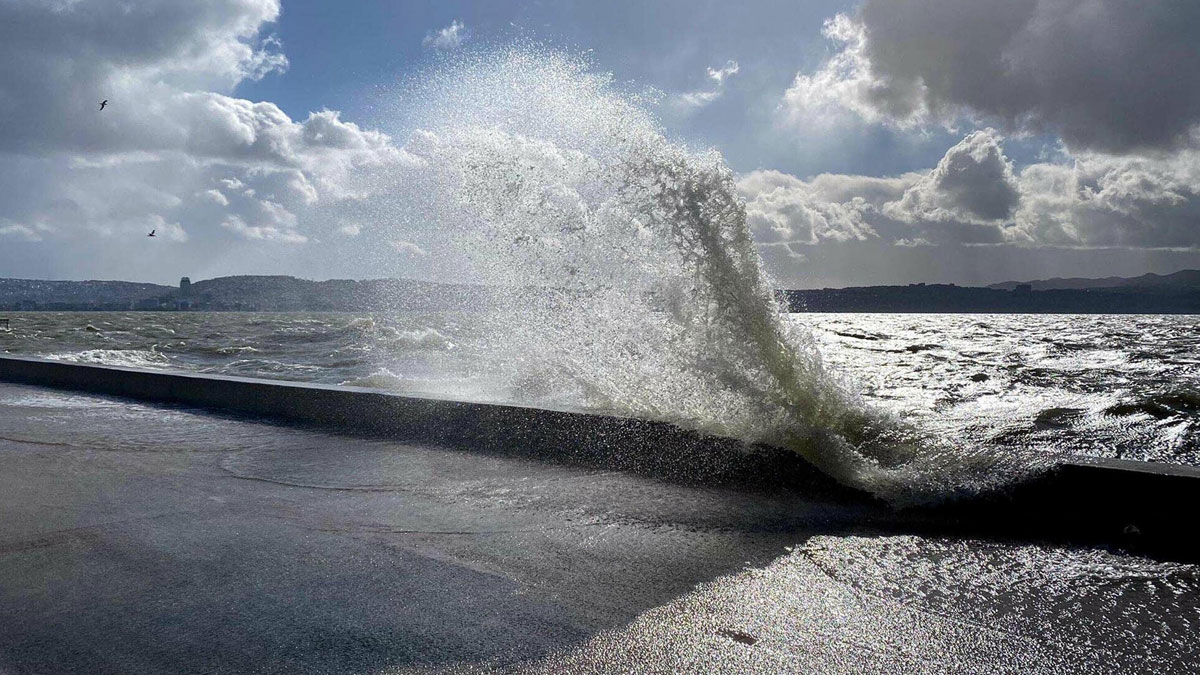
(1118, 82)
(973, 182)
(1115, 76)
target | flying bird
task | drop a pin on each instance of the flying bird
(151, 233)
(103, 103)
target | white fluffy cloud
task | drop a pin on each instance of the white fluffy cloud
(848, 81)
(173, 150)
(1106, 201)
(263, 232)
(975, 196)
(1105, 76)
(783, 209)
(718, 78)
(150, 60)
(450, 37)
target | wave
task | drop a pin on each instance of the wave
(380, 379)
(264, 367)
(1160, 406)
(242, 349)
(133, 358)
(635, 284)
(423, 338)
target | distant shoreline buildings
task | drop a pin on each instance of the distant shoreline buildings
(1152, 294)
(232, 294)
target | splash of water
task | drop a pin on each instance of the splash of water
(633, 285)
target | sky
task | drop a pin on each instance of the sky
(873, 142)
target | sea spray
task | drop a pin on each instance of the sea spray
(629, 279)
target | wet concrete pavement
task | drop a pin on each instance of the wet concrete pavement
(144, 539)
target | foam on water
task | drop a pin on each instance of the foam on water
(634, 283)
(133, 358)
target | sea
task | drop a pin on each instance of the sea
(1112, 386)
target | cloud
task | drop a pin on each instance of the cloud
(1114, 77)
(450, 37)
(19, 231)
(175, 150)
(848, 82)
(702, 97)
(170, 231)
(238, 131)
(783, 209)
(719, 75)
(1107, 201)
(216, 197)
(408, 248)
(262, 232)
(973, 182)
(232, 184)
(63, 58)
(974, 196)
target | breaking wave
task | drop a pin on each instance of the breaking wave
(132, 358)
(633, 285)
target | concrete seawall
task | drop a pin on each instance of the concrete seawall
(1133, 505)
(644, 447)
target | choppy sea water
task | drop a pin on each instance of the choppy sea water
(1124, 386)
(1107, 386)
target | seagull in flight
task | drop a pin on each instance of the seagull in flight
(151, 233)
(103, 103)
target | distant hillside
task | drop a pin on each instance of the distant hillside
(14, 292)
(280, 293)
(1183, 279)
(253, 293)
(915, 298)
(1151, 293)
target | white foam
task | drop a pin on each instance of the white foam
(133, 358)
